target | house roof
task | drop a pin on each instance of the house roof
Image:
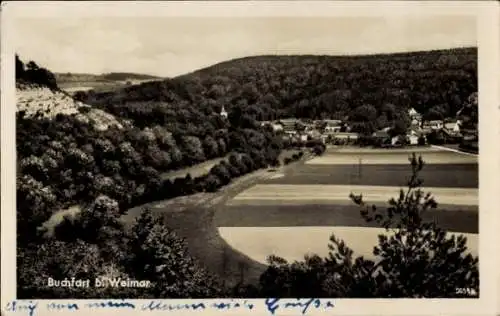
(289, 123)
(412, 111)
(333, 121)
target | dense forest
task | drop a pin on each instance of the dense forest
(175, 123)
(372, 91)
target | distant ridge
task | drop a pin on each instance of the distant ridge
(112, 76)
(468, 50)
(376, 88)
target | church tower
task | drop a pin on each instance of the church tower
(223, 112)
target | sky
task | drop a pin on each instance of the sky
(172, 46)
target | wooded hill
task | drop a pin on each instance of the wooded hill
(369, 88)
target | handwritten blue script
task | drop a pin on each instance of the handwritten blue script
(274, 304)
(271, 305)
(19, 306)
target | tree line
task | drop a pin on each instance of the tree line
(34, 74)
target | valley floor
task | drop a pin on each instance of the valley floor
(295, 214)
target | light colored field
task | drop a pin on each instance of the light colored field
(74, 89)
(333, 193)
(277, 176)
(292, 243)
(332, 158)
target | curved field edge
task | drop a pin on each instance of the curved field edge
(361, 240)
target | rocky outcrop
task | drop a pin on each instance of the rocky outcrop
(42, 102)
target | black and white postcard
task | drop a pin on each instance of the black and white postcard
(242, 157)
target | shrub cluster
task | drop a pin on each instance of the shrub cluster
(293, 158)
(319, 149)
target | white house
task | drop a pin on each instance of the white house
(333, 126)
(453, 126)
(411, 139)
(277, 127)
(332, 129)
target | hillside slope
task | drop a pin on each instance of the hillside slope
(312, 86)
(371, 88)
(71, 152)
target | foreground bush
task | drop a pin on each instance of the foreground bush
(158, 254)
(147, 251)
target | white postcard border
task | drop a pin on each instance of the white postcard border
(489, 171)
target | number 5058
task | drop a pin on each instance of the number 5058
(465, 291)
